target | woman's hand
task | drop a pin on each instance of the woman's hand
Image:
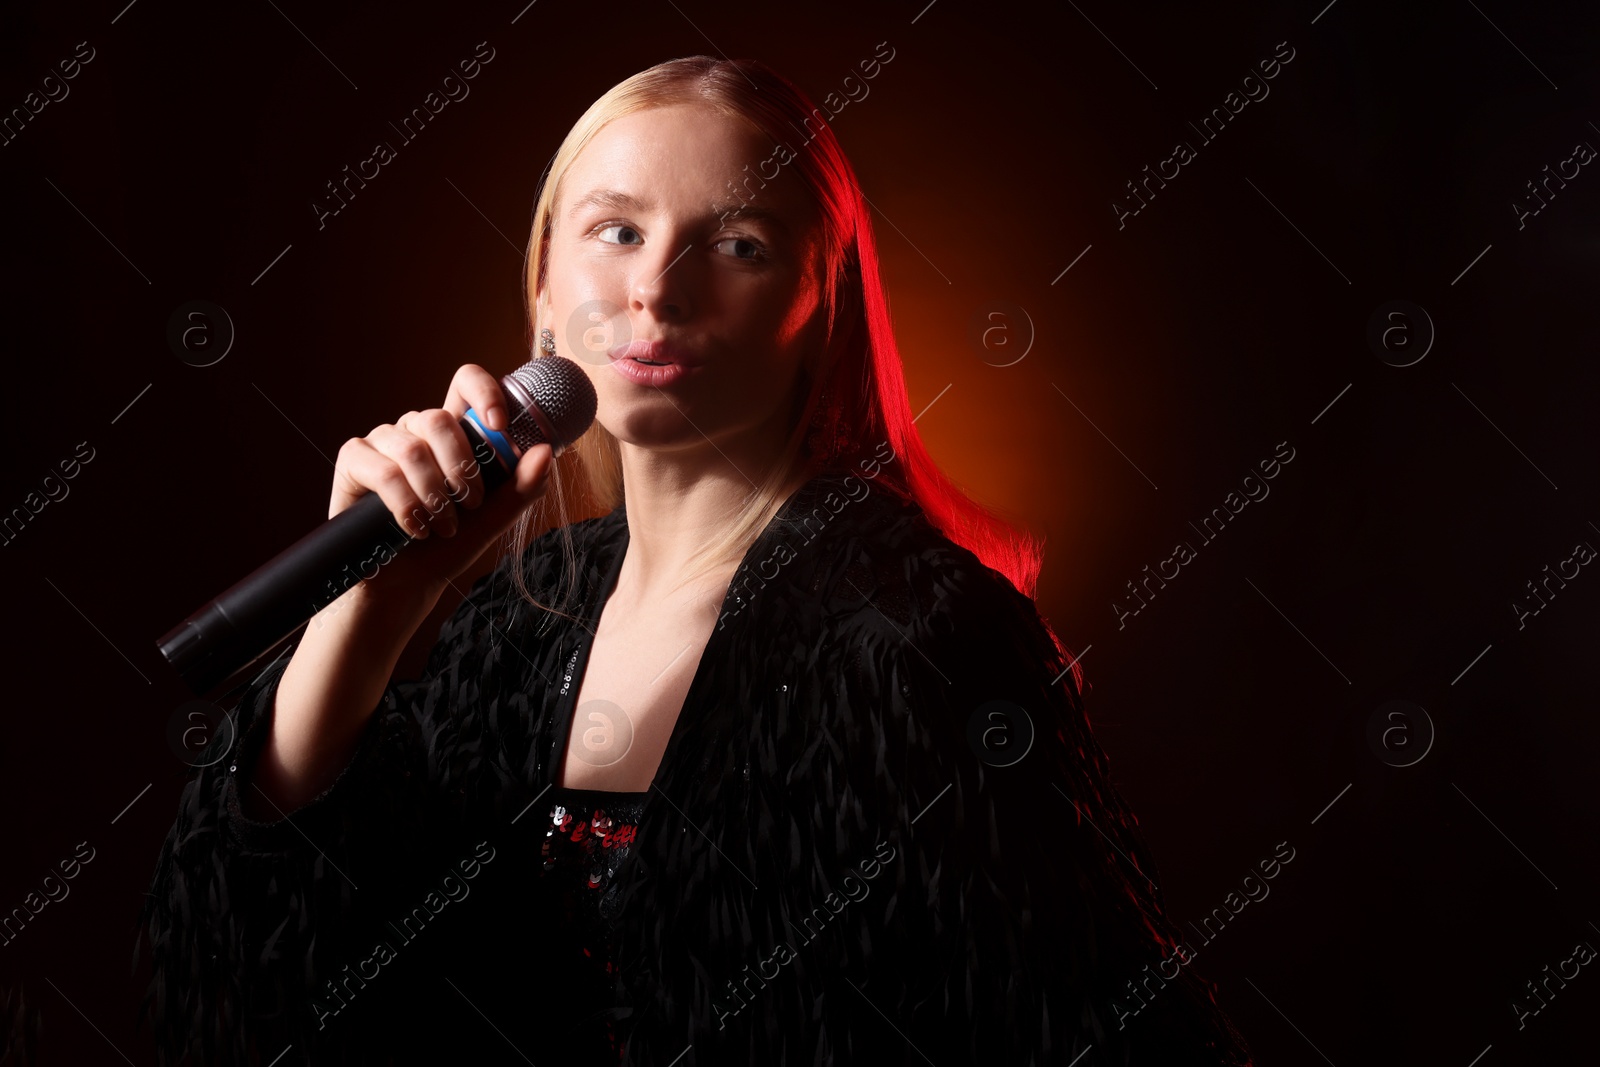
(422, 466)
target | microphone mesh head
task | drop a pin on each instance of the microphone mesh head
(551, 399)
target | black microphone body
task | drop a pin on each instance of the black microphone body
(547, 402)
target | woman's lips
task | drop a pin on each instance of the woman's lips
(648, 353)
(650, 363)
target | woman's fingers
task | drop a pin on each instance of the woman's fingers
(463, 483)
(422, 470)
(475, 388)
(422, 465)
(401, 468)
(362, 469)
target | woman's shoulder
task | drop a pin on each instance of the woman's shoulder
(891, 574)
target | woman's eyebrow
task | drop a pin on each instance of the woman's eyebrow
(607, 198)
(724, 212)
(751, 213)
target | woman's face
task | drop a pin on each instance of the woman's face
(640, 250)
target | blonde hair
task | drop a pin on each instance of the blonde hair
(851, 396)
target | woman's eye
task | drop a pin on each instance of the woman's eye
(744, 248)
(617, 226)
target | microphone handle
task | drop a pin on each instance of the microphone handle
(267, 605)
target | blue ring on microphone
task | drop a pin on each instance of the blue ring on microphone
(499, 441)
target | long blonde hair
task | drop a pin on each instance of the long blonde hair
(853, 397)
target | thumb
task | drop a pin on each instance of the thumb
(528, 483)
(533, 469)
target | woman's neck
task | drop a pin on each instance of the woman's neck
(678, 502)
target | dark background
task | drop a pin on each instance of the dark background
(1229, 315)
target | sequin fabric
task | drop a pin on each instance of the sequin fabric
(587, 835)
(585, 842)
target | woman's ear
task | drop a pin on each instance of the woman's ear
(541, 317)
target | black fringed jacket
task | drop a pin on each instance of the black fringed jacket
(834, 864)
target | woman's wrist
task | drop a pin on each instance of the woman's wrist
(395, 602)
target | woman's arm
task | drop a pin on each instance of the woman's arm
(249, 908)
(1026, 899)
(424, 470)
(327, 694)
(247, 918)
(920, 893)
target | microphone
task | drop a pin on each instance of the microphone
(550, 399)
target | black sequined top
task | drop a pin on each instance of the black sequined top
(586, 839)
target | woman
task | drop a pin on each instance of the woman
(737, 772)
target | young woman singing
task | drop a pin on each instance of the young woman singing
(738, 771)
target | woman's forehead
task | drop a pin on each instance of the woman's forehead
(679, 126)
(687, 152)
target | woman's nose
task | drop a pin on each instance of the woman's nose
(663, 284)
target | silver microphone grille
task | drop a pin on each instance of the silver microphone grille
(551, 399)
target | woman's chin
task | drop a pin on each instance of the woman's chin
(654, 431)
